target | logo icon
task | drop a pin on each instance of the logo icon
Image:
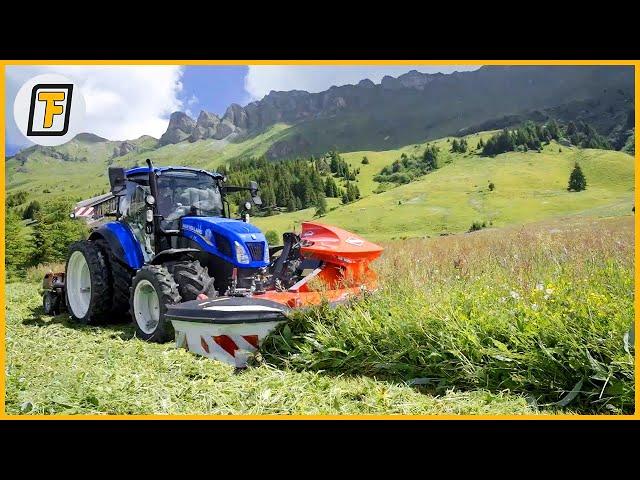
(355, 241)
(49, 109)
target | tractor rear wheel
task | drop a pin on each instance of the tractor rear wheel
(120, 276)
(152, 290)
(87, 286)
(193, 279)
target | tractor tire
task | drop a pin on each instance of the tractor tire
(87, 286)
(50, 303)
(193, 279)
(152, 290)
(120, 276)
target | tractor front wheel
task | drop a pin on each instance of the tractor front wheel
(152, 290)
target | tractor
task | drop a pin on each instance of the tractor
(167, 252)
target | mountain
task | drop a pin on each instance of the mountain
(415, 107)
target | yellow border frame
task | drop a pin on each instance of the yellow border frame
(4, 63)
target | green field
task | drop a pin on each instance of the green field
(529, 187)
(512, 321)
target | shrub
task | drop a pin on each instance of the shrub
(272, 237)
(476, 225)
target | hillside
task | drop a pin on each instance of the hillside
(530, 186)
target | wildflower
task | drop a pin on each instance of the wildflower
(549, 291)
(534, 307)
(539, 287)
(514, 295)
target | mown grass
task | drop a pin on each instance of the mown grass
(544, 311)
(57, 367)
(495, 322)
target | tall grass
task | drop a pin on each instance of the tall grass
(542, 311)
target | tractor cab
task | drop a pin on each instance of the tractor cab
(159, 205)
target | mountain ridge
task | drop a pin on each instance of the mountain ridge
(400, 110)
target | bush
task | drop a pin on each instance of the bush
(365, 161)
(476, 225)
(272, 237)
(492, 186)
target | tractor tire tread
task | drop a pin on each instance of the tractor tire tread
(100, 303)
(192, 279)
(169, 295)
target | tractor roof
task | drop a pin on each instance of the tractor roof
(139, 170)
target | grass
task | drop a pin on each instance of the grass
(544, 311)
(456, 313)
(56, 367)
(529, 187)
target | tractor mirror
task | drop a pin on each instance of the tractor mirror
(117, 180)
(255, 196)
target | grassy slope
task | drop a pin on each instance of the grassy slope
(85, 179)
(529, 187)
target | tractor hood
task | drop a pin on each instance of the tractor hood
(228, 239)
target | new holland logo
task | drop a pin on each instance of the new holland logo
(49, 109)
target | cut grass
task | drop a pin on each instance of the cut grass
(57, 367)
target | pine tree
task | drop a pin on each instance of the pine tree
(321, 206)
(55, 231)
(577, 180)
(18, 245)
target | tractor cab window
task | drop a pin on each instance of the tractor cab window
(183, 192)
(133, 208)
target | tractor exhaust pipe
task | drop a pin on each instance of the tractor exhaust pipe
(153, 186)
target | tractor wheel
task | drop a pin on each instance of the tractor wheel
(152, 289)
(87, 287)
(50, 303)
(193, 279)
(120, 276)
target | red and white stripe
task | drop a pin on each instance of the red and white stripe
(83, 212)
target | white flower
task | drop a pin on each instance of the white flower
(539, 287)
(514, 295)
(549, 291)
(534, 306)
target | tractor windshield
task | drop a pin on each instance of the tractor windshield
(184, 192)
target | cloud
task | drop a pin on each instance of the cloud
(123, 102)
(261, 79)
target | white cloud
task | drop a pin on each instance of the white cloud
(261, 79)
(123, 102)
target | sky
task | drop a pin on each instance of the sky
(125, 102)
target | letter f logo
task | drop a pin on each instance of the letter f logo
(50, 110)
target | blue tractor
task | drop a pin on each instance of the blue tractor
(171, 239)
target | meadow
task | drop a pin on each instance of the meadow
(532, 319)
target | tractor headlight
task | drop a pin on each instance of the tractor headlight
(241, 253)
(150, 200)
(247, 205)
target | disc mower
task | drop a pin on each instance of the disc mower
(165, 250)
